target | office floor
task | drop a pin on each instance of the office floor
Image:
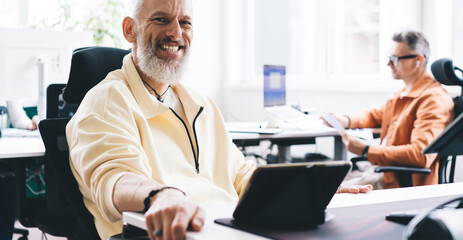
(34, 234)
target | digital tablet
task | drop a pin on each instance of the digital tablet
(288, 195)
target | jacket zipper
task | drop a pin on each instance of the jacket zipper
(195, 155)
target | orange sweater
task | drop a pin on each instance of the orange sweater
(410, 123)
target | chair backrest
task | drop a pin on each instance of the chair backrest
(89, 66)
(444, 72)
(56, 106)
(65, 199)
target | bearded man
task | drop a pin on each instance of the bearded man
(140, 136)
(141, 141)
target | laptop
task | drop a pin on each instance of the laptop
(275, 98)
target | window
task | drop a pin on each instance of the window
(102, 17)
(322, 42)
(457, 33)
(11, 13)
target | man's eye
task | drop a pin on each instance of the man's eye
(185, 23)
(160, 20)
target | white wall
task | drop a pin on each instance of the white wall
(206, 70)
(20, 50)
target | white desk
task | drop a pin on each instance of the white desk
(21, 147)
(292, 136)
(289, 137)
(31, 145)
(16, 144)
(395, 195)
(212, 230)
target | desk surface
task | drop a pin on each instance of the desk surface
(291, 132)
(366, 211)
(16, 144)
(20, 147)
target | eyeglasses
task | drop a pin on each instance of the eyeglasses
(395, 59)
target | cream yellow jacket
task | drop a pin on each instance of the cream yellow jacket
(120, 129)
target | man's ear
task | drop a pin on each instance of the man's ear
(421, 59)
(129, 28)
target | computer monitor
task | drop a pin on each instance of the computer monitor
(274, 85)
(31, 59)
(450, 141)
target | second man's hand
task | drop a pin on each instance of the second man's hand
(355, 189)
(171, 214)
(342, 119)
(353, 144)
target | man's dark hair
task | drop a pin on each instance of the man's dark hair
(416, 41)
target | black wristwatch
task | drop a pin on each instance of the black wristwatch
(147, 200)
(365, 151)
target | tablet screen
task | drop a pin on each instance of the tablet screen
(290, 194)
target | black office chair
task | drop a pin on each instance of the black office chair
(56, 106)
(63, 195)
(444, 72)
(88, 67)
(404, 174)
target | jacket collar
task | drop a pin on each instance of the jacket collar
(423, 83)
(190, 105)
(148, 104)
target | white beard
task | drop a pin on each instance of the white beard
(161, 70)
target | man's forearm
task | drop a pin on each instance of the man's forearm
(402, 155)
(130, 191)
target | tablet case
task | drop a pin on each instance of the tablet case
(288, 196)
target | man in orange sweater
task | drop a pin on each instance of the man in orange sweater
(409, 120)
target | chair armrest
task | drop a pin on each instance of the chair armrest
(402, 169)
(354, 161)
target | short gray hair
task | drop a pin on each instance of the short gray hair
(416, 41)
(137, 6)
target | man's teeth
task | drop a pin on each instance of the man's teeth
(170, 48)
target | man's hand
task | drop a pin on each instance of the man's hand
(34, 123)
(171, 214)
(342, 119)
(355, 189)
(353, 144)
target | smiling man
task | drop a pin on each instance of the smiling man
(142, 141)
(141, 137)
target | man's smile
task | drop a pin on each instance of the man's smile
(169, 51)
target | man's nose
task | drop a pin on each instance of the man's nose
(174, 31)
(390, 64)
